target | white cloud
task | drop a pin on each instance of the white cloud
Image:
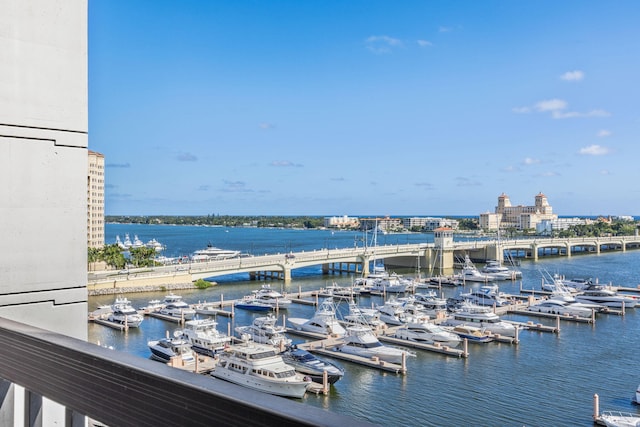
(557, 109)
(594, 150)
(443, 29)
(424, 43)
(551, 105)
(549, 173)
(603, 133)
(571, 114)
(382, 44)
(573, 76)
(530, 161)
(265, 125)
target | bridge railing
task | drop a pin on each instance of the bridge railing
(121, 389)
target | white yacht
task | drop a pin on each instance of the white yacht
(368, 316)
(323, 322)
(488, 295)
(393, 313)
(174, 306)
(360, 341)
(211, 253)
(565, 308)
(481, 317)
(596, 294)
(165, 349)
(259, 367)
(122, 312)
(204, 336)
(268, 295)
(500, 272)
(470, 273)
(428, 333)
(433, 305)
(264, 330)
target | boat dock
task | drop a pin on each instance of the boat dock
(325, 348)
(166, 317)
(104, 322)
(436, 348)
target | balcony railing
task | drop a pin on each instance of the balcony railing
(120, 389)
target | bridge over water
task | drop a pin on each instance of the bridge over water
(426, 255)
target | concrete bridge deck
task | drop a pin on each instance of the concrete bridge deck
(358, 259)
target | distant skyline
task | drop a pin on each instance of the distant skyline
(365, 107)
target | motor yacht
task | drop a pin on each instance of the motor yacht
(204, 336)
(393, 313)
(259, 367)
(123, 313)
(564, 308)
(472, 333)
(428, 333)
(488, 295)
(470, 273)
(482, 317)
(264, 330)
(311, 366)
(250, 302)
(500, 272)
(268, 295)
(174, 306)
(165, 349)
(360, 340)
(212, 253)
(323, 322)
(597, 294)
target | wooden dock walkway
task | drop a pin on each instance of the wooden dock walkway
(326, 348)
(435, 348)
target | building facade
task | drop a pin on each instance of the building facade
(429, 223)
(507, 216)
(43, 166)
(341, 221)
(95, 200)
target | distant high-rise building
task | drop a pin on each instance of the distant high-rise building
(95, 200)
(518, 217)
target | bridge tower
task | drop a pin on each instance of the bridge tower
(441, 259)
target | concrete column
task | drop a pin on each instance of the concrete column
(568, 246)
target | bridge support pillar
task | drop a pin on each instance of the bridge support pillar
(534, 252)
(286, 275)
(568, 247)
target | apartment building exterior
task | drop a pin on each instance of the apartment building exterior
(518, 217)
(95, 200)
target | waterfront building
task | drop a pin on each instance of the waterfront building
(95, 200)
(384, 224)
(517, 217)
(546, 227)
(341, 222)
(429, 223)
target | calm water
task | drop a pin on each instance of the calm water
(546, 380)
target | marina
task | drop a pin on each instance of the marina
(561, 363)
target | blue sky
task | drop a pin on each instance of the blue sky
(365, 107)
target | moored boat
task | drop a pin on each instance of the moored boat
(174, 306)
(264, 330)
(123, 313)
(359, 340)
(165, 349)
(311, 366)
(204, 336)
(323, 322)
(259, 367)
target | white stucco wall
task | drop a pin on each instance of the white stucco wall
(43, 163)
